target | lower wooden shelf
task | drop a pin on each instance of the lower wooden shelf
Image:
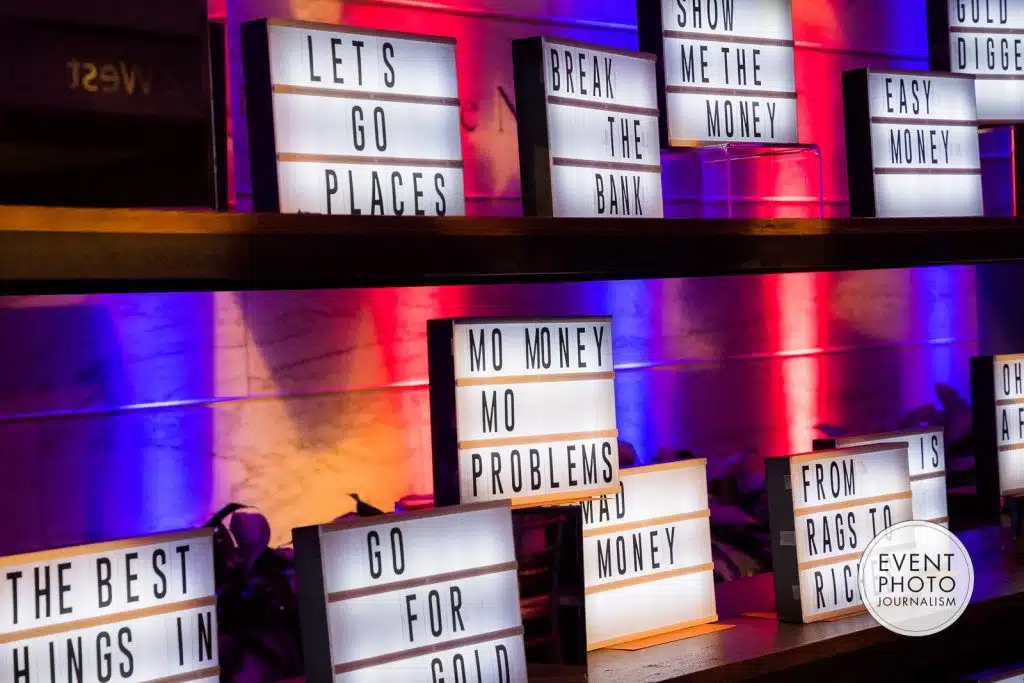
(851, 649)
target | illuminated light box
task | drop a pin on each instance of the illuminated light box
(141, 609)
(985, 39)
(352, 121)
(927, 452)
(522, 410)
(587, 118)
(727, 72)
(912, 144)
(997, 398)
(825, 507)
(417, 597)
(647, 559)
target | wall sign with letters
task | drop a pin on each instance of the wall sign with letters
(522, 409)
(142, 609)
(912, 144)
(352, 121)
(417, 597)
(727, 71)
(927, 467)
(647, 559)
(588, 130)
(983, 38)
(997, 398)
(825, 508)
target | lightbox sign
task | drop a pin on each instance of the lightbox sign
(587, 121)
(418, 597)
(912, 144)
(647, 559)
(727, 71)
(522, 410)
(983, 38)
(825, 507)
(1009, 427)
(927, 453)
(352, 121)
(136, 610)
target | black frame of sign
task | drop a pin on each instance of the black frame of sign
(532, 117)
(259, 114)
(218, 87)
(532, 126)
(860, 166)
(940, 59)
(782, 528)
(651, 41)
(986, 452)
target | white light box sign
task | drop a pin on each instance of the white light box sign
(727, 71)
(647, 559)
(587, 120)
(418, 598)
(927, 453)
(522, 410)
(825, 507)
(912, 144)
(985, 39)
(133, 611)
(1007, 386)
(351, 121)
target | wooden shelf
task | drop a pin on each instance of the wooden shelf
(851, 649)
(114, 250)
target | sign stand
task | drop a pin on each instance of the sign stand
(729, 153)
(672, 637)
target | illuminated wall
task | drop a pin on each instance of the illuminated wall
(127, 414)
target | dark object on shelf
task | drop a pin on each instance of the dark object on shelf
(364, 509)
(106, 103)
(1013, 525)
(257, 609)
(986, 456)
(549, 550)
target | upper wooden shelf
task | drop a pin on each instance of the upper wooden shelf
(56, 250)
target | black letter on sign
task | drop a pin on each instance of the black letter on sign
(104, 591)
(331, 179)
(388, 51)
(103, 665)
(13, 578)
(510, 411)
(309, 48)
(62, 587)
(124, 636)
(131, 576)
(397, 551)
(380, 133)
(372, 540)
(181, 550)
(205, 636)
(160, 559)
